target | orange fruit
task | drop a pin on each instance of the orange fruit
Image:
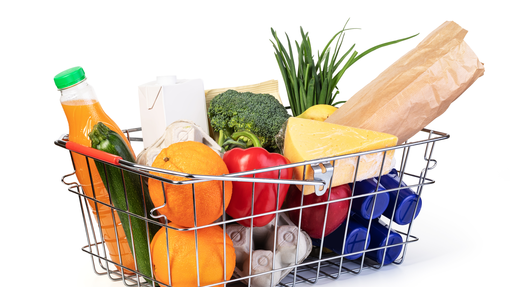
(183, 259)
(193, 158)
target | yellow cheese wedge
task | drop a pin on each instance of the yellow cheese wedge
(308, 140)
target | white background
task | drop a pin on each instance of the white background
(122, 44)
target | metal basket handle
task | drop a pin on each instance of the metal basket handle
(120, 162)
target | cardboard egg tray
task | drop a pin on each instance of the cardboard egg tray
(290, 241)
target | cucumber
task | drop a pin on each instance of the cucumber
(104, 139)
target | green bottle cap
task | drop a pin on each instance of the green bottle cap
(69, 77)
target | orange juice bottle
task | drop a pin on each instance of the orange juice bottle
(83, 111)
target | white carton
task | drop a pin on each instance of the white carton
(167, 100)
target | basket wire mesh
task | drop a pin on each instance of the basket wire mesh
(320, 263)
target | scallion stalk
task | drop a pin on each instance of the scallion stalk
(311, 83)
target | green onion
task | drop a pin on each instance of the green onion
(310, 83)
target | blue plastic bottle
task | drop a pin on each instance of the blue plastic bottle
(378, 237)
(353, 242)
(406, 201)
(363, 205)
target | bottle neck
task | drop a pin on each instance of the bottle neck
(79, 92)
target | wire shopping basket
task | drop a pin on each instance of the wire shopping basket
(363, 241)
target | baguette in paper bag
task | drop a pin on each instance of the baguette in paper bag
(417, 88)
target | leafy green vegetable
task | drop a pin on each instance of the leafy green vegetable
(310, 83)
(260, 114)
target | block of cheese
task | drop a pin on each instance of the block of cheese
(308, 140)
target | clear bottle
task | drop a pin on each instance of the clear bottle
(83, 111)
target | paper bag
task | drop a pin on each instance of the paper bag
(417, 88)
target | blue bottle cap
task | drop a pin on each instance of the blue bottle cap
(381, 204)
(405, 209)
(363, 205)
(406, 202)
(391, 254)
(355, 240)
(378, 237)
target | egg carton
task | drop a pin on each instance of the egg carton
(290, 241)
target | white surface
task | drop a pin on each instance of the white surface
(122, 44)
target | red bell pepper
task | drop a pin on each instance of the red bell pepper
(265, 194)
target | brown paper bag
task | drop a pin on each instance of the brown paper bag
(415, 89)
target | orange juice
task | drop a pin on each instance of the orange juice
(83, 111)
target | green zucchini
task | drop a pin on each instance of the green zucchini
(118, 181)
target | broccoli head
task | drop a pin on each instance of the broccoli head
(260, 114)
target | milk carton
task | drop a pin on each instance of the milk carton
(167, 100)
